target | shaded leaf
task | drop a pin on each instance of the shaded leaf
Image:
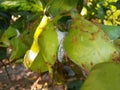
(3, 53)
(112, 31)
(44, 2)
(19, 61)
(7, 35)
(4, 21)
(80, 5)
(63, 23)
(19, 49)
(74, 85)
(56, 7)
(104, 76)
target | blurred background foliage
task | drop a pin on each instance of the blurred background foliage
(102, 11)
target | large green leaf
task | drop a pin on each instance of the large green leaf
(112, 31)
(104, 76)
(86, 44)
(48, 45)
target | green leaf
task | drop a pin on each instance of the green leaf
(19, 24)
(48, 43)
(56, 7)
(104, 76)
(20, 5)
(86, 44)
(112, 31)
(116, 42)
(18, 49)
(74, 85)
(38, 65)
(27, 37)
(19, 61)
(7, 35)
(44, 2)
(46, 57)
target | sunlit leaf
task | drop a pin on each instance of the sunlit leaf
(86, 44)
(48, 43)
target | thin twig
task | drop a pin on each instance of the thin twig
(35, 84)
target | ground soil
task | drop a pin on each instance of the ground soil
(20, 78)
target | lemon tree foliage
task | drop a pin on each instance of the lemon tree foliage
(47, 45)
(100, 77)
(29, 34)
(90, 39)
